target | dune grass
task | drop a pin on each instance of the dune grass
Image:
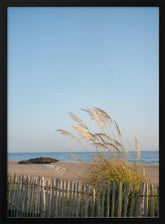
(112, 161)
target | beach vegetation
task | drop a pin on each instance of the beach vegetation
(111, 163)
(112, 160)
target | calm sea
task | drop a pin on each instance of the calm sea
(148, 157)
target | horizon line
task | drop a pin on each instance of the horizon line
(156, 150)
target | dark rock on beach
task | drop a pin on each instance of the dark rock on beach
(39, 160)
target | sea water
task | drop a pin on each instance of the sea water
(148, 157)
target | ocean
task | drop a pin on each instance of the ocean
(148, 157)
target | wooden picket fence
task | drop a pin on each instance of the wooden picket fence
(30, 197)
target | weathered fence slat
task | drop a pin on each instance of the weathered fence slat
(62, 209)
(56, 197)
(93, 203)
(140, 196)
(77, 202)
(86, 201)
(73, 203)
(22, 197)
(70, 199)
(38, 197)
(119, 200)
(146, 200)
(52, 199)
(59, 198)
(108, 200)
(141, 209)
(65, 204)
(49, 208)
(33, 199)
(46, 199)
(28, 201)
(98, 200)
(157, 201)
(42, 198)
(9, 194)
(38, 203)
(31, 195)
(82, 200)
(13, 195)
(19, 197)
(126, 198)
(113, 200)
(26, 197)
(15, 201)
(152, 201)
(132, 200)
(103, 198)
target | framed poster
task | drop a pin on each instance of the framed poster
(80, 86)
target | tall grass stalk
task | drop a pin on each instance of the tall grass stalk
(112, 160)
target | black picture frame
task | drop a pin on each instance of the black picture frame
(3, 104)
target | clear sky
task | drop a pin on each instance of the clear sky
(63, 59)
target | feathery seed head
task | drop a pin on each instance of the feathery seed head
(117, 127)
(137, 148)
(79, 120)
(87, 136)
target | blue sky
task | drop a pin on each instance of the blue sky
(63, 59)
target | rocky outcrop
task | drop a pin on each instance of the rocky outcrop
(39, 160)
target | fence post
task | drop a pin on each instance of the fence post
(146, 200)
(82, 200)
(31, 195)
(13, 195)
(52, 199)
(86, 201)
(56, 198)
(59, 198)
(119, 200)
(73, 204)
(66, 196)
(46, 199)
(132, 201)
(49, 208)
(93, 202)
(103, 198)
(77, 204)
(142, 202)
(33, 199)
(98, 200)
(26, 197)
(108, 200)
(38, 197)
(152, 201)
(9, 194)
(126, 198)
(62, 212)
(18, 197)
(158, 200)
(42, 198)
(138, 208)
(113, 199)
(70, 199)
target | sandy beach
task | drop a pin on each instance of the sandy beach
(69, 170)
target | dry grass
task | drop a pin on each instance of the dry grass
(107, 142)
